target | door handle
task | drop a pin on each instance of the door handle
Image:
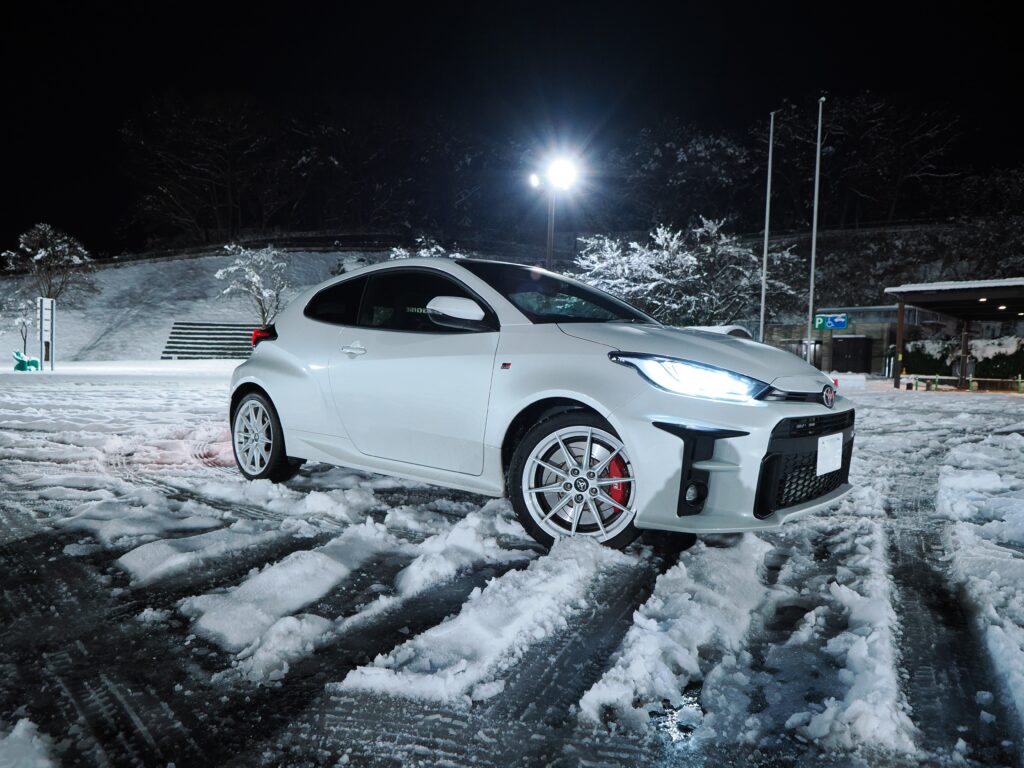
(354, 349)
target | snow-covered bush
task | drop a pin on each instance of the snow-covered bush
(57, 265)
(996, 358)
(349, 263)
(426, 248)
(697, 276)
(257, 274)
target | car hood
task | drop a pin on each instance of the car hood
(760, 361)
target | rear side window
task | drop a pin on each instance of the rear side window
(397, 301)
(338, 304)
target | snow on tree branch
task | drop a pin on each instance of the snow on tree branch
(20, 313)
(426, 248)
(56, 264)
(699, 276)
(257, 274)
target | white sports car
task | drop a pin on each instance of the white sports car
(503, 379)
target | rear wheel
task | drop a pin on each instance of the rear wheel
(258, 441)
(571, 476)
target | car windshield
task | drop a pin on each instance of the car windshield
(548, 298)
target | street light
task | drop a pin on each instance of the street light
(561, 174)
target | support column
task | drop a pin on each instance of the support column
(962, 383)
(897, 363)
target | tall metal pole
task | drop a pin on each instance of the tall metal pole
(550, 257)
(767, 215)
(814, 235)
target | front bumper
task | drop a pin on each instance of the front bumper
(755, 464)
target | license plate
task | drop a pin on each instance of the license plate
(830, 453)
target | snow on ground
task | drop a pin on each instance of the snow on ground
(166, 557)
(981, 485)
(873, 710)
(468, 543)
(238, 617)
(126, 535)
(704, 602)
(463, 658)
(23, 746)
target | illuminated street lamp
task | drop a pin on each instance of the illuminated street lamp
(560, 176)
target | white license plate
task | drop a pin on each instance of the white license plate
(830, 453)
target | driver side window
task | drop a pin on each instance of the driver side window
(397, 301)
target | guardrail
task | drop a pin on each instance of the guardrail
(974, 384)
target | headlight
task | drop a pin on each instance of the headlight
(685, 377)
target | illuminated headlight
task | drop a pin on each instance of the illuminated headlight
(685, 377)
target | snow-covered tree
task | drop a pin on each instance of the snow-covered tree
(426, 248)
(257, 274)
(20, 313)
(697, 276)
(57, 265)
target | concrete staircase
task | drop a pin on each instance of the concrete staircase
(204, 341)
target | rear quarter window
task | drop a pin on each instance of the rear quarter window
(337, 304)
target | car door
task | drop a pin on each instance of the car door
(408, 389)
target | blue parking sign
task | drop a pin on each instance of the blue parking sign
(832, 322)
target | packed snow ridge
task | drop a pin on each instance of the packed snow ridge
(462, 659)
(703, 601)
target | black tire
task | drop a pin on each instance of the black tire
(669, 544)
(531, 439)
(279, 466)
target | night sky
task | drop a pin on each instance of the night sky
(74, 73)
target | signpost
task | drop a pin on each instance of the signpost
(839, 321)
(47, 322)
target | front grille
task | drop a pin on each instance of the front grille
(799, 481)
(789, 470)
(781, 396)
(813, 426)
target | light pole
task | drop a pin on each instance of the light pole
(767, 216)
(814, 235)
(561, 175)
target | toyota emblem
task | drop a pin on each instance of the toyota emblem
(828, 396)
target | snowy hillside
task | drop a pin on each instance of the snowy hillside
(137, 303)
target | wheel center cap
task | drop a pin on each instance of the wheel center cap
(581, 484)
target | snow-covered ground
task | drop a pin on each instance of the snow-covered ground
(130, 315)
(156, 608)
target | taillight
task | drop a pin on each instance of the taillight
(263, 334)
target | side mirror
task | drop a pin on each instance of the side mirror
(457, 312)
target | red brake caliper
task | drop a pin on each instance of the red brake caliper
(617, 468)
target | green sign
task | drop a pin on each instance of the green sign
(839, 321)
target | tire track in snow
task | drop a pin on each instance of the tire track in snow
(945, 661)
(140, 694)
(234, 510)
(527, 715)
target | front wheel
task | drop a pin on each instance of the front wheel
(571, 476)
(258, 441)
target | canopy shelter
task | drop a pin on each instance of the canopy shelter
(965, 300)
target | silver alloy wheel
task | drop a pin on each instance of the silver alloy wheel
(254, 437)
(568, 484)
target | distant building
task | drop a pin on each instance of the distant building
(867, 344)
